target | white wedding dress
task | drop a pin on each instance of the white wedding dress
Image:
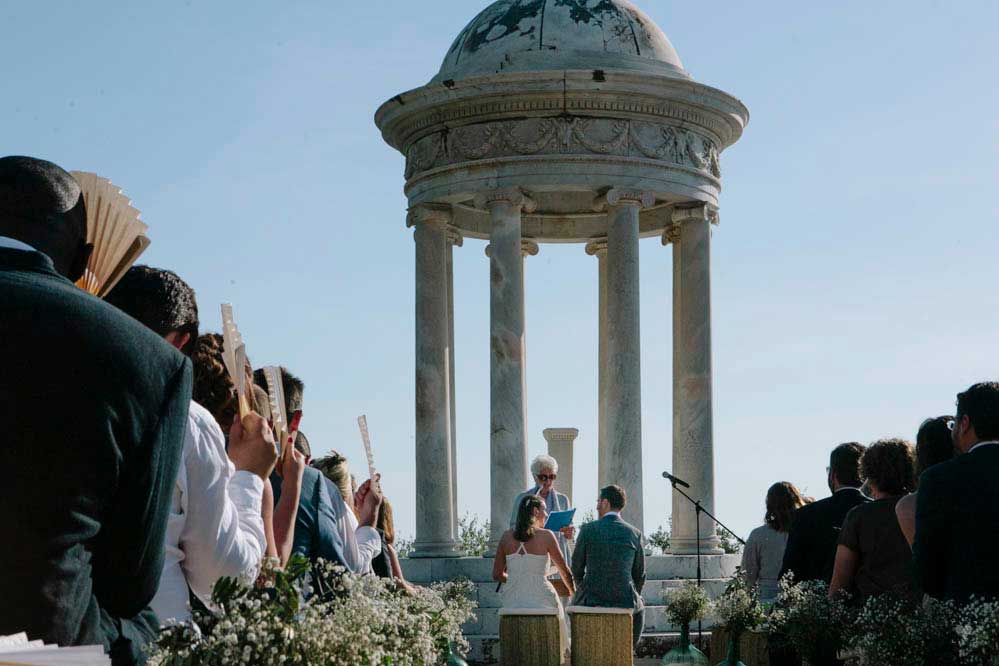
(527, 586)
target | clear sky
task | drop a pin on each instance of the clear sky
(854, 270)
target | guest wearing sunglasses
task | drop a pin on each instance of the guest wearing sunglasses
(545, 471)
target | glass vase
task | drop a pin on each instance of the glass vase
(685, 653)
(453, 658)
(734, 648)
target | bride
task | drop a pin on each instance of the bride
(523, 560)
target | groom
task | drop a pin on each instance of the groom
(609, 563)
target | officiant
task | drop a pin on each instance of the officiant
(544, 468)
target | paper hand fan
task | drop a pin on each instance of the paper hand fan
(115, 231)
(362, 423)
(234, 357)
(279, 415)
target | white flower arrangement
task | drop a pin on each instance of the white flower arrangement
(738, 608)
(686, 604)
(352, 620)
(887, 630)
(804, 618)
(977, 629)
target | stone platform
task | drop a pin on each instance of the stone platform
(662, 573)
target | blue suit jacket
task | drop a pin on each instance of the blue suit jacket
(316, 534)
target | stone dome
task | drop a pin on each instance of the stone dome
(543, 35)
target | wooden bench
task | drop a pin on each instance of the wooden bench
(601, 636)
(529, 637)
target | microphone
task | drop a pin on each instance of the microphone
(672, 479)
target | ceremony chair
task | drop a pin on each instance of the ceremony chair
(601, 636)
(529, 637)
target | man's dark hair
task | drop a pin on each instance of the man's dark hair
(302, 444)
(844, 462)
(294, 388)
(980, 404)
(934, 443)
(615, 495)
(159, 299)
(890, 464)
(41, 204)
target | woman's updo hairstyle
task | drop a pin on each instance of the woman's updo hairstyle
(525, 529)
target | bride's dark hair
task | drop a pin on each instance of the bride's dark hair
(524, 529)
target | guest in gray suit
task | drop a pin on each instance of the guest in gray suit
(544, 469)
(609, 562)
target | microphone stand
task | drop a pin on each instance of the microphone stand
(698, 510)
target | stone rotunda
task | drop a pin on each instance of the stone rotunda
(562, 121)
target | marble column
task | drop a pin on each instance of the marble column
(560, 445)
(624, 380)
(508, 417)
(598, 248)
(435, 534)
(693, 455)
(454, 239)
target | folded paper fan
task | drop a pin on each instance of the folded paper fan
(115, 231)
(234, 357)
(362, 423)
(279, 415)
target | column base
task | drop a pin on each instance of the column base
(428, 549)
(683, 546)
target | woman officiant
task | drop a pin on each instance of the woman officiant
(544, 468)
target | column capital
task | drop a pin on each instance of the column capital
(433, 214)
(597, 247)
(699, 213)
(511, 196)
(624, 197)
(527, 248)
(671, 234)
(455, 237)
(560, 434)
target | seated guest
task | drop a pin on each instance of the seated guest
(386, 564)
(215, 528)
(933, 446)
(957, 508)
(608, 564)
(544, 469)
(356, 513)
(811, 543)
(764, 552)
(94, 407)
(873, 558)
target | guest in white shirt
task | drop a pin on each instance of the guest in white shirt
(215, 527)
(356, 526)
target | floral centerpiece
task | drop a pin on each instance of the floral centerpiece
(977, 633)
(888, 630)
(738, 610)
(684, 605)
(805, 619)
(355, 620)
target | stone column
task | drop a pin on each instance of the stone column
(454, 239)
(508, 418)
(560, 443)
(598, 248)
(693, 455)
(434, 489)
(624, 380)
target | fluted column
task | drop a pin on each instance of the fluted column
(598, 248)
(454, 239)
(693, 439)
(508, 418)
(560, 445)
(435, 533)
(624, 381)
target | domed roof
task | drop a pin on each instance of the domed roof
(541, 35)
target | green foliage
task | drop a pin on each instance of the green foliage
(737, 608)
(887, 630)
(473, 536)
(806, 620)
(659, 540)
(686, 604)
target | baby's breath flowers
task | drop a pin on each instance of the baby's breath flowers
(737, 608)
(686, 604)
(977, 631)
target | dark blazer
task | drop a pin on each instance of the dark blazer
(94, 407)
(608, 565)
(316, 533)
(811, 543)
(957, 527)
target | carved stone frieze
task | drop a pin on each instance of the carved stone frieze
(564, 136)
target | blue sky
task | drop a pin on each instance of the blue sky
(854, 269)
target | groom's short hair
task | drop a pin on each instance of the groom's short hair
(615, 496)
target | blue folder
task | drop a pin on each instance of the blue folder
(559, 519)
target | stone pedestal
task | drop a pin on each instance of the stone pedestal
(508, 418)
(560, 445)
(435, 535)
(693, 444)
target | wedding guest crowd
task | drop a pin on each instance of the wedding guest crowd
(133, 484)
